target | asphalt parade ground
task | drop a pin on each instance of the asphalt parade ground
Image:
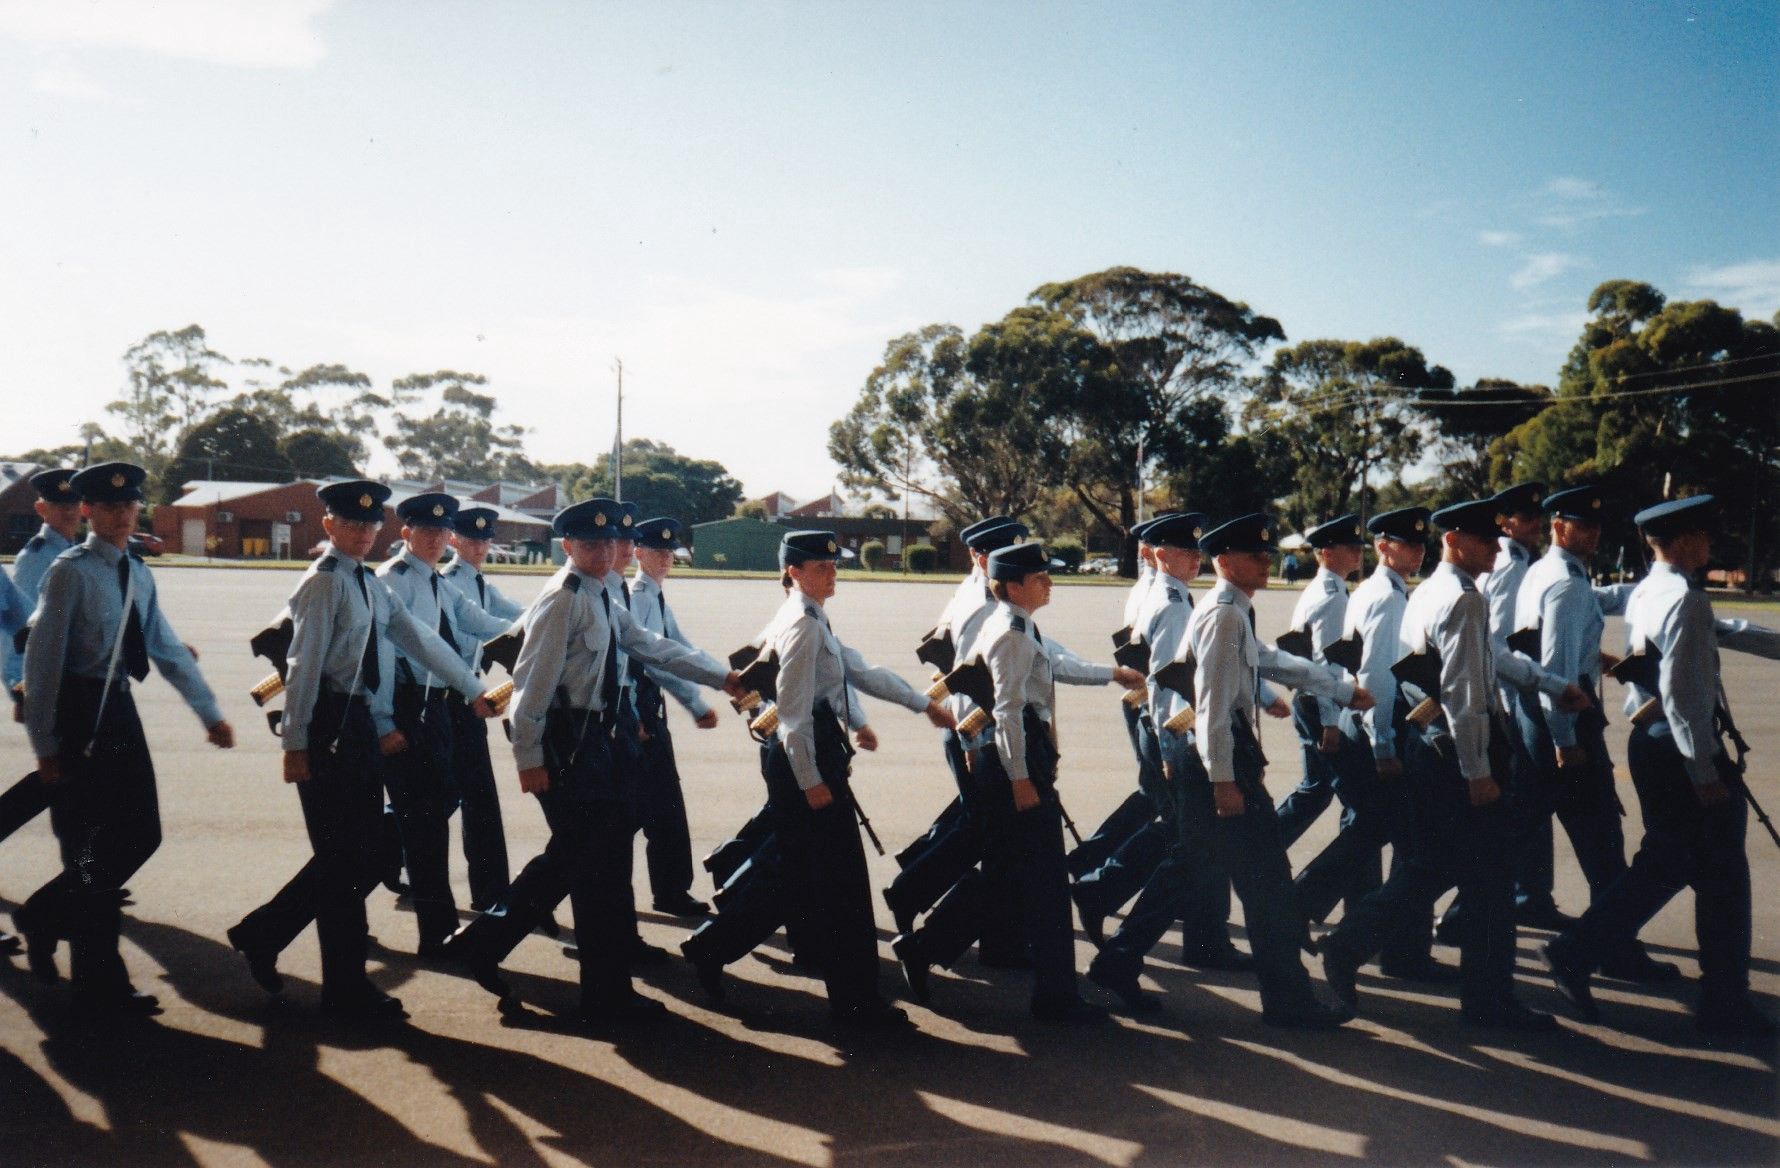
(228, 1076)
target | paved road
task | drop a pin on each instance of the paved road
(225, 1077)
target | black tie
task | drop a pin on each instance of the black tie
(444, 625)
(1036, 636)
(135, 646)
(481, 590)
(368, 672)
(625, 584)
(609, 672)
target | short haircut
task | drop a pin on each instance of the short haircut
(998, 588)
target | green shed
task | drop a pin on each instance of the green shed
(748, 545)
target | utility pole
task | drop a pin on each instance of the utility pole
(618, 439)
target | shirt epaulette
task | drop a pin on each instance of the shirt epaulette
(572, 582)
(1576, 571)
(73, 553)
(402, 567)
(809, 610)
(1018, 624)
(35, 543)
(1466, 584)
(325, 564)
(1226, 598)
(1331, 585)
(1173, 595)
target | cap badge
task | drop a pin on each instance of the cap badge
(65, 487)
(626, 521)
(364, 500)
(481, 523)
(832, 548)
(117, 480)
(1596, 504)
(1420, 526)
(1356, 529)
(1198, 533)
(438, 510)
(667, 533)
(1265, 535)
(599, 518)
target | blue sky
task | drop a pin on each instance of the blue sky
(746, 201)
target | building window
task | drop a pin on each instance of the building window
(893, 545)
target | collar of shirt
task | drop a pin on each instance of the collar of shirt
(1448, 568)
(46, 532)
(1166, 578)
(415, 562)
(1390, 577)
(1323, 574)
(1515, 551)
(1238, 597)
(1567, 559)
(1664, 568)
(331, 550)
(108, 551)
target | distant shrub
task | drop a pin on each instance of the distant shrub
(923, 557)
(871, 554)
(1068, 549)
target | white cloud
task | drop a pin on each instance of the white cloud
(253, 34)
(1545, 266)
(1498, 238)
(1571, 202)
(1752, 286)
(61, 79)
(1542, 327)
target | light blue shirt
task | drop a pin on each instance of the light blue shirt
(1025, 672)
(650, 609)
(39, 552)
(1321, 609)
(1668, 613)
(1227, 682)
(332, 616)
(480, 590)
(79, 619)
(417, 587)
(568, 629)
(1162, 621)
(815, 667)
(1556, 596)
(1375, 612)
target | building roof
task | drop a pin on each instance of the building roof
(12, 472)
(208, 492)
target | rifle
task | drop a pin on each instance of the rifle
(936, 649)
(970, 680)
(1178, 677)
(1421, 669)
(503, 651)
(1736, 770)
(1346, 653)
(1133, 653)
(272, 643)
(1297, 642)
(1642, 667)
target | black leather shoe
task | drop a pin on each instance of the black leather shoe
(40, 948)
(624, 1010)
(125, 1001)
(1124, 986)
(1512, 1016)
(9, 943)
(430, 949)
(905, 920)
(907, 948)
(710, 973)
(1427, 971)
(1225, 958)
(879, 1015)
(1736, 1020)
(547, 925)
(1093, 920)
(1310, 1016)
(262, 963)
(1070, 1011)
(1635, 965)
(461, 951)
(1339, 971)
(683, 905)
(1543, 916)
(643, 953)
(1572, 980)
(364, 1003)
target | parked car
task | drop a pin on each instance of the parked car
(1101, 566)
(500, 553)
(145, 543)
